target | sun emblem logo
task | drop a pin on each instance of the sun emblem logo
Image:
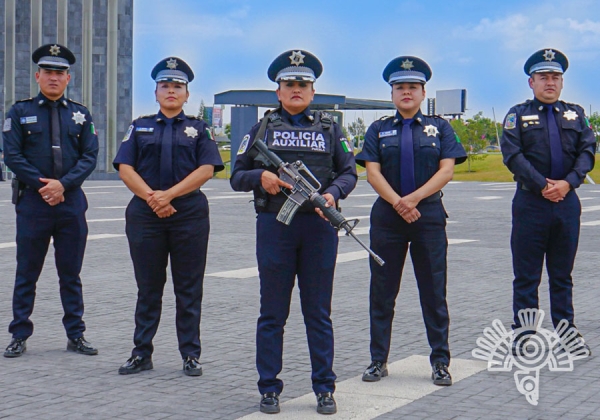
(549, 55)
(54, 49)
(297, 58)
(172, 64)
(407, 64)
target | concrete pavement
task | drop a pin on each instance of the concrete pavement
(48, 383)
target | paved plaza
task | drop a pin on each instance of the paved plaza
(50, 383)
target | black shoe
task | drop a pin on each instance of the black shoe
(81, 346)
(325, 403)
(270, 403)
(375, 372)
(135, 364)
(577, 346)
(16, 348)
(440, 374)
(191, 366)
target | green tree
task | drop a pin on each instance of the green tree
(228, 131)
(357, 129)
(476, 134)
(595, 123)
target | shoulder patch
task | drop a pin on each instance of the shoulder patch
(128, 133)
(24, 100)
(346, 145)
(209, 134)
(7, 125)
(385, 117)
(244, 144)
(457, 138)
(511, 121)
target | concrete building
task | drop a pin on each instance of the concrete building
(100, 34)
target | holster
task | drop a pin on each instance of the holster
(17, 190)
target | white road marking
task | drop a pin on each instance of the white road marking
(111, 207)
(590, 208)
(488, 197)
(219, 197)
(409, 379)
(587, 198)
(592, 223)
(356, 231)
(89, 238)
(104, 186)
(99, 192)
(246, 273)
(363, 195)
(106, 220)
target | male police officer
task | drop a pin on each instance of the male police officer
(51, 145)
(549, 147)
(307, 247)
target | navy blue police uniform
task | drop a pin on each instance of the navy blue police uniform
(433, 140)
(542, 228)
(29, 153)
(305, 248)
(183, 236)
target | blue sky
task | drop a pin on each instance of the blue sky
(477, 45)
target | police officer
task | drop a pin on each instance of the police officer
(549, 147)
(164, 159)
(409, 158)
(307, 247)
(51, 145)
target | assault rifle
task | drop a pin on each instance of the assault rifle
(305, 187)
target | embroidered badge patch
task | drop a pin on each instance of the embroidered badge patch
(128, 134)
(7, 125)
(570, 115)
(510, 122)
(191, 132)
(244, 144)
(431, 130)
(346, 145)
(78, 117)
(28, 120)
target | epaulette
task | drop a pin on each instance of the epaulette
(385, 117)
(577, 106)
(325, 114)
(25, 100)
(193, 117)
(75, 102)
(146, 116)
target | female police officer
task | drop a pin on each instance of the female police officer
(409, 158)
(307, 247)
(164, 159)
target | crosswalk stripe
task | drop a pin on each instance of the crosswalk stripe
(409, 379)
(89, 238)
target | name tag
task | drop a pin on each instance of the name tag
(530, 117)
(28, 120)
(390, 133)
(145, 129)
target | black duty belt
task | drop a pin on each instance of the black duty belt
(432, 198)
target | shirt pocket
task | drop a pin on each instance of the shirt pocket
(34, 140)
(429, 151)
(389, 149)
(570, 135)
(532, 134)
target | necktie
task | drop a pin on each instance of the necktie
(166, 156)
(56, 150)
(556, 153)
(407, 160)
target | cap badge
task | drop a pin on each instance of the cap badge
(297, 58)
(54, 49)
(570, 115)
(407, 64)
(172, 64)
(549, 55)
(191, 132)
(431, 130)
(78, 117)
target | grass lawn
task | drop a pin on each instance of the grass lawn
(490, 169)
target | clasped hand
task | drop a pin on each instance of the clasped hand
(556, 191)
(160, 203)
(53, 192)
(406, 207)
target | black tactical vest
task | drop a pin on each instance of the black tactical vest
(312, 145)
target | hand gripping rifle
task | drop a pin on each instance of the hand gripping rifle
(305, 187)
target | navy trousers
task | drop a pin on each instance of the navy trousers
(541, 228)
(183, 238)
(37, 223)
(391, 238)
(307, 248)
